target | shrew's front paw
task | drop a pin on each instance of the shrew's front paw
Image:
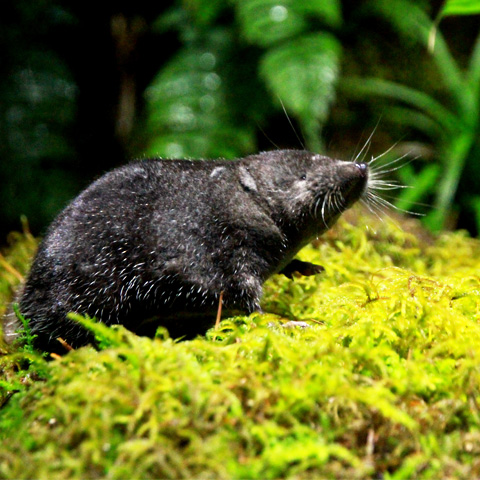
(302, 268)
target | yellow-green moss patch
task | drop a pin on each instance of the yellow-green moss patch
(385, 381)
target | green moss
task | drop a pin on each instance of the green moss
(385, 380)
(14, 263)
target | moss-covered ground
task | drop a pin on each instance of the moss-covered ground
(383, 384)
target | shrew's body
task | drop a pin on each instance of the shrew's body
(155, 242)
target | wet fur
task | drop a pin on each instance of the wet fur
(156, 242)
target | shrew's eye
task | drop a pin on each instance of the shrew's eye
(303, 177)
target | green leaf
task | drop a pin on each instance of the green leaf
(266, 22)
(362, 87)
(475, 205)
(473, 72)
(410, 117)
(205, 11)
(303, 74)
(461, 7)
(328, 11)
(413, 23)
(189, 114)
(422, 184)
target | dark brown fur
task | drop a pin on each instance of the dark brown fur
(155, 242)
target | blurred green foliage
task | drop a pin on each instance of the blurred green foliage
(452, 122)
(460, 7)
(207, 100)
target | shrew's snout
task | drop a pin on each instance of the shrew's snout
(363, 167)
(354, 178)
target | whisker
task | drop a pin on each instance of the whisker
(339, 201)
(383, 170)
(323, 210)
(378, 157)
(367, 143)
(389, 205)
(380, 210)
(387, 186)
(372, 208)
(291, 124)
(267, 137)
(316, 205)
(419, 204)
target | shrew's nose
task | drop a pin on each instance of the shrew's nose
(363, 167)
(353, 178)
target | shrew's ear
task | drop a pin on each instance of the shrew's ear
(246, 179)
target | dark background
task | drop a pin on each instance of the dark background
(73, 103)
